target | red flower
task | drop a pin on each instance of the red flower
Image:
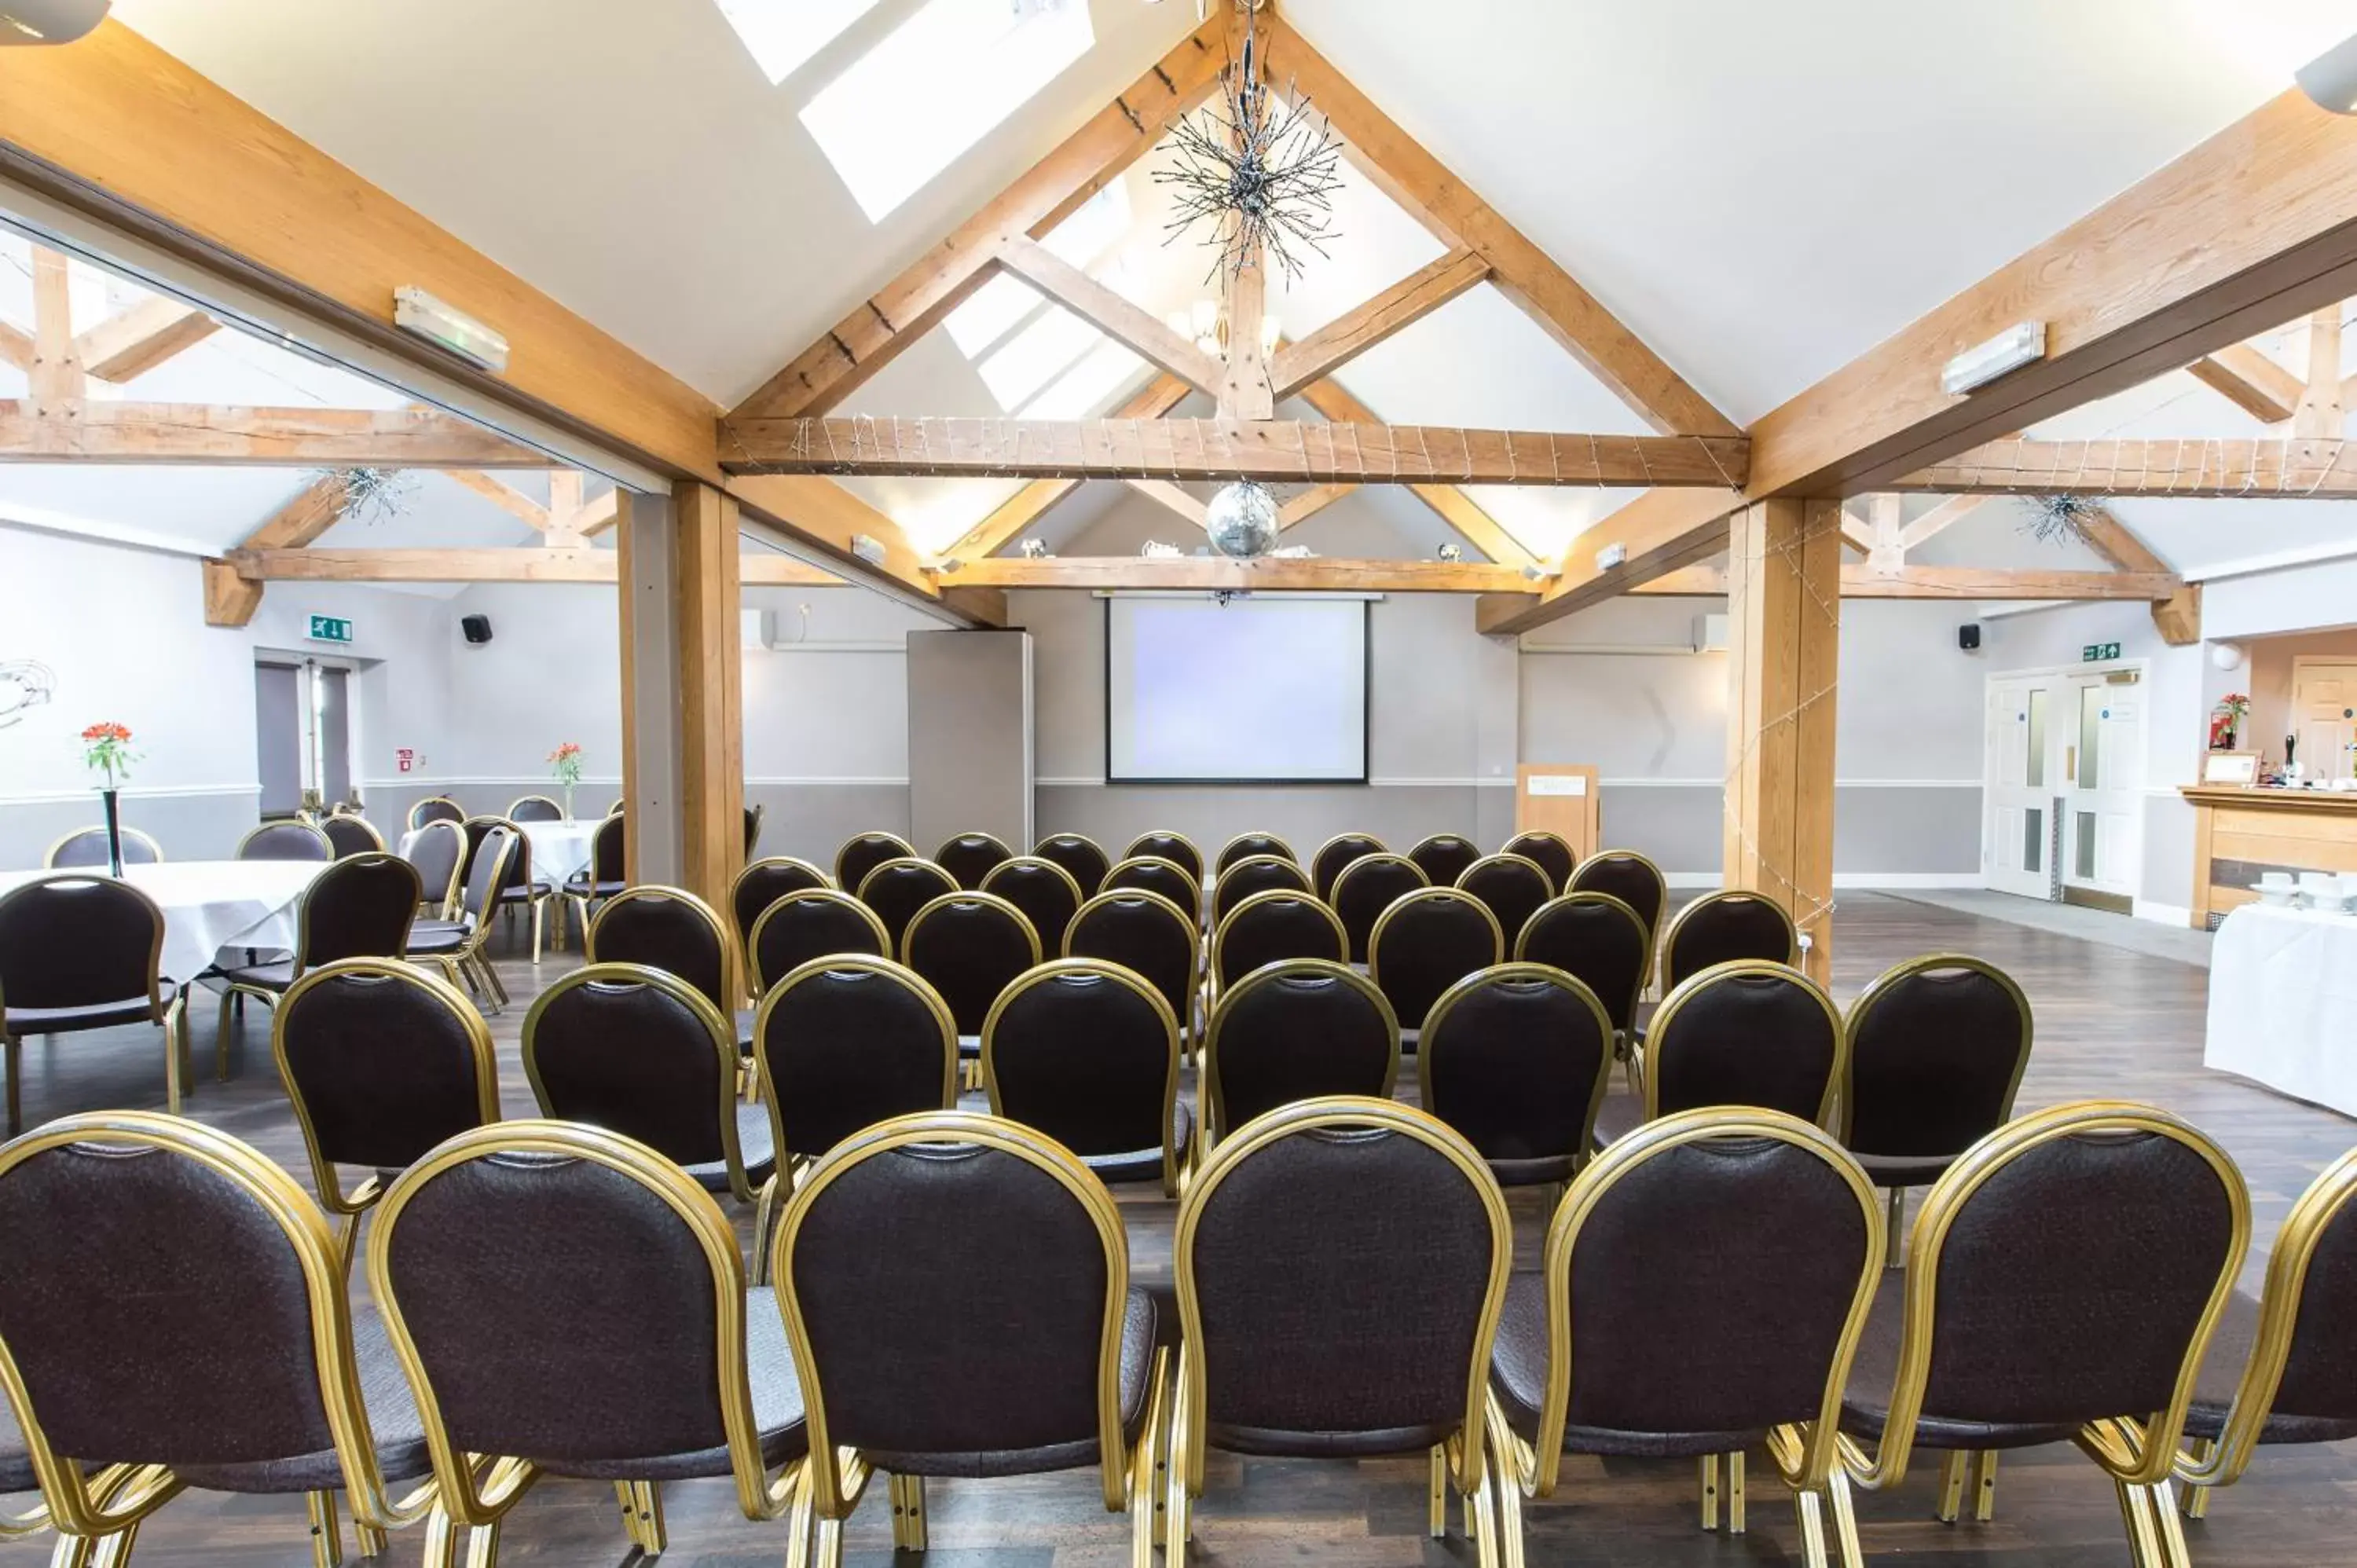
(107, 731)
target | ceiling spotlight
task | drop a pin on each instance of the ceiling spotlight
(1449, 551)
(48, 21)
(1033, 549)
(2331, 78)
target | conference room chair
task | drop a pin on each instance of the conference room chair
(1270, 926)
(534, 808)
(1737, 1333)
(864, 852)
(1366, 887)
(2278, 1370)
(436, 853)
(1254, 873)
(1249, 847)
(668, 929)
(1154, 874)
(81, 952)
(1600, 940)
(602, 879)
(642, 1053)
(190, 1315)
(1044, 891)
(1425, 944)
(1719, 927)
(360, 907)
(1514, 888)
(382, 1061)
(1079, 855)
(352, 835)
(1340, 1266)
(1175, 847)
(811, 923)
(846, 1041)
(455, 946)
(435, 809)
(997, 1335)
(753, 815)
(1301, 1029)
(620, 801)
(1088, 1053)
(290, 840)
(1551, 852)
(2063, 1285)
(970, 946)
(897, 890)
(521, 888)
(1628, 876)
(1147, 933)
(1937, 1048)
(1516, 1057)
(1334, 855)
(761, 884)
(1444, 857)
(615, 1338)
(969, 857)
(87, 846)
(1747, 1033)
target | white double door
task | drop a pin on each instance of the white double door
(2063, 782)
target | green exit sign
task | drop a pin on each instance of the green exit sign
(330, 628)
(2093, 653)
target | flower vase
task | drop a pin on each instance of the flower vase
(568, 802)
(113, 831)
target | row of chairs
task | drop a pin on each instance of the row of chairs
(292, 838)
(557, 1299)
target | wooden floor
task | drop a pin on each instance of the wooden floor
(2110, 1023)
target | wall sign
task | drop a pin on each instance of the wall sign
(329, 629)
(2093, 653)
(404, 758)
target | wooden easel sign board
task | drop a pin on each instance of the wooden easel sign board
(1561, 799)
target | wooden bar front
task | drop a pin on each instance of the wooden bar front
(2240, 833)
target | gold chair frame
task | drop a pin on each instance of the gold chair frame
(723, 931)
(1723, 896)
(413, 825)
(830, 897)
(1219, 867)
(1430, 895)
(1250, 860)
(907, 852)
(154, 850)
(1428, 1059)
(1173, 1165)
(171, 1017)
(1197, 877)
(1649, 1050)
(1213, 1102)
(306, 823)
(1260, 900)
(301, 964)
(1195, 902)
(467, 966)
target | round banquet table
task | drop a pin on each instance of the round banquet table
(560, 850)
(209, 905)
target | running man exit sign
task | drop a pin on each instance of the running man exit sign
(330, 628)
(2091, 653)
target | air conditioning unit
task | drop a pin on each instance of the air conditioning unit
(1710, 634)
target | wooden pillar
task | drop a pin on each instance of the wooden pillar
(650, 727)
(1783, 605)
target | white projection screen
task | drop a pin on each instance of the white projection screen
(1252, 690)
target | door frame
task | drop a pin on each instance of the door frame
(2057, 840)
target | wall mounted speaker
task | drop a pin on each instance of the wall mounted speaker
(478, 629)
(1968, 635)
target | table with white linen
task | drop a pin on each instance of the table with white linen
(2283, 1003)
(560, 850)
(209, 905)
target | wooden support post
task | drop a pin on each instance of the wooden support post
(651, 832)
(711, 703)
(1783, 643)
(1245, 390)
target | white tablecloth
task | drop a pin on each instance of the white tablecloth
(209, 905)
(559, 850)
(2283, 1003)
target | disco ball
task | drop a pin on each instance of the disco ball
(1242, 519)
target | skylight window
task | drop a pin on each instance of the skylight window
(937, 85)
(990, 313)
(782, 35)
(1036, 355)
(1080, 392)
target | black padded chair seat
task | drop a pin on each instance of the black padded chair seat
(1145, 1165)
(755, 1141)
(580, 886)
(276, 975)
(2221, 1369)
(777, 1411)
(23, 1021)
(1138, 1332)
(429, 937)
(1536, 1171)
(1518, 1373)
(1620, 1115)
(1865, 1404)
(393, 1417)
(1267, 1442)
(1905, 1170)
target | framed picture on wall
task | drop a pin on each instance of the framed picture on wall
(2232, 769)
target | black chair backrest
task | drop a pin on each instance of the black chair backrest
(1937, 1046)
(848, 1041)
(436, 852)
(1270, 926)
(1146, 932)
(970, 856)
(1341, 1267)
(812, 923)
(1746, 1033)
(1155, 874)
(897, 890)
(970, 946)
(381, 1062)
(1549, 852)
(1426, 942)
(1366, 887)
(1079, 855)
(359, 907)
(87, 846)
(2312, 1279)
(608, 850)
(349, 835)
(864, 854)
(667, 929)
(1599, 939)
(534, 808)
(1334, 855)
(488, 872)
(1516, 1057)
(1176, 848)
(1254, 873)
(70, 940)
(1444, 857)
(1628, 876)
(1087, 1053)
(1720, 927)
(1512, 887)
(638, 1052)
(1297, 1030)
(435, 809)
(1044, 891)
(1248, 846)
(753, 815)
(762, 883)
(285, 841)
(517, 878)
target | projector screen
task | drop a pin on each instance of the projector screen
(1250, 691)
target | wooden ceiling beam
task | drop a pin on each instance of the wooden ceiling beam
(16, 346)
(1398, 307)
(231, 597)
(132, 342)
(823, 516)
(596, 517)
(504, 495)
(1028, 505)
(2177, 618)
(1860, 581)
(1454, 507)
(32, 432)
(2265, 469)
(1211, 573)
(1310, 503)
(1268, 450)
(1660, 531)
(1948, 512)
(1170, 496)
(519, 564)
(2251, 382)
(908, 306)
(1110, 312)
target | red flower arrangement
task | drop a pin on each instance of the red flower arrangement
(567, 761)
(106, 750)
